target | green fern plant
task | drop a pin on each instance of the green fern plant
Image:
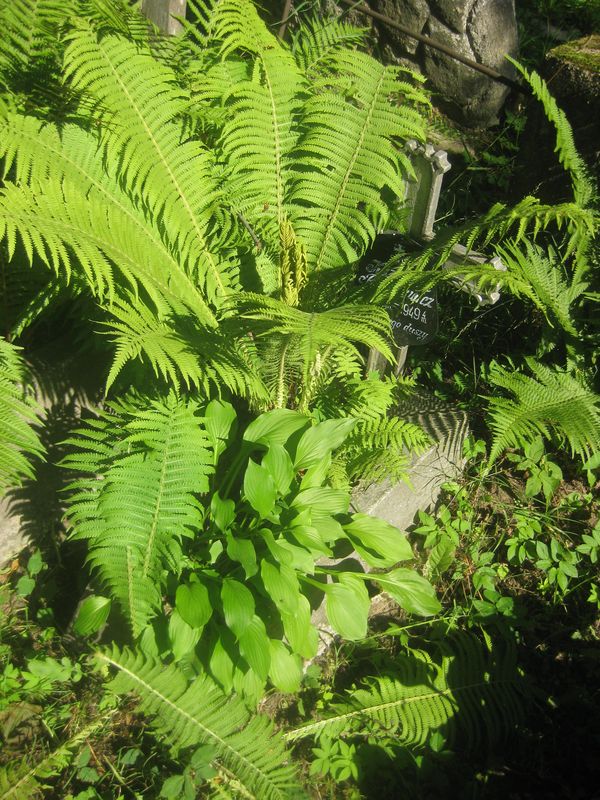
(26, 781)
(471, 693)
(162, 201)
(18, 439)
(153, 461)
(188, 714)
(549, 402)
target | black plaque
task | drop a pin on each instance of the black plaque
(415, 319)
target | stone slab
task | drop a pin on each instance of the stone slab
(399, 502)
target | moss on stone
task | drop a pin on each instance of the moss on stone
(584, 53)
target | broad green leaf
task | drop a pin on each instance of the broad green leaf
(299, 558)
(278, 463)
(317, 442)
(218, 420)
(299, 630)
(193, 603)
(378, 542)
(317, 474)
(242, 551)
(329, 528)
(411, 591)
(248, 684)
(275, 427)
(282, 585)
(92, 614)
(285, 670)
(238, 605)
(221, 664)
(259, 489)
(284, 552)
(35, 564)
(309, 537)
(333, 501)
(254, 647)
(347, 604)
(182, 636)
(172, 787)
(25, 586)
(222, 512)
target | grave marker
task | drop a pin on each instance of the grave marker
(415, 318)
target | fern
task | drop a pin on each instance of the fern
(151, 461)
(30, 50)
(128, 203)
(380, 444)
(472, 695)
(549, 402)
(349, 147)
(300, 342)
(565, 143)
(257, 141)
(24, 781)
(139, 101)
(539, 276)
(317, 42)
(189, 714)
(17, 413)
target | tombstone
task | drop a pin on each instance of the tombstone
(164, 13)
(415, 317)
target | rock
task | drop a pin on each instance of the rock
(453, 13)
(484, 31)
(411, 13)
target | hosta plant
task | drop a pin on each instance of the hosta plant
(238, 530)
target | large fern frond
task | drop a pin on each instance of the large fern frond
(258, 139)
(471, 694)
(151, 461)
(140, 105)
(197, 712)
(547, 402)
(303, 342)
(538, 275)
(64, 200)
(317, 41)
(18, 438)
(565, 143)
(179, 350)
(528, 218)
(351, 158)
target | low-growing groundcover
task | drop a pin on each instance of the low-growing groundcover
(188, 213)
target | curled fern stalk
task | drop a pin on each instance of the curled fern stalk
(190, 714)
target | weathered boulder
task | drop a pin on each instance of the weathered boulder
(412, 13)
(572, 72)
(484, 31)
